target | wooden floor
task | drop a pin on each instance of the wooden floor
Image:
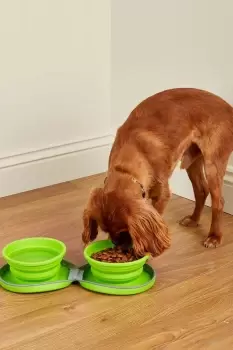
(191, 307)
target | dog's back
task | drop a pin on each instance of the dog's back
(176, 118)
(179, 107)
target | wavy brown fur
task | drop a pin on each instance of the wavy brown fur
(191, 125)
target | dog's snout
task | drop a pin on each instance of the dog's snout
(122, 239)
(114, 241)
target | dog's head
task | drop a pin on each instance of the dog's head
(127, 221)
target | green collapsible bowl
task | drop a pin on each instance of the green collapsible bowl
(34, 259)
(112, 273)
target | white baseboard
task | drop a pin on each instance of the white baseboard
(181, 185)
(56, 164)
(60, 163)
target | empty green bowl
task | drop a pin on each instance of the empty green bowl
(112, 272)
(34, 259)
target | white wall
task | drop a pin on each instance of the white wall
(54, 91)
(158, 45)
(164, 44)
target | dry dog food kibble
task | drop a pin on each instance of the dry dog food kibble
(115, 255)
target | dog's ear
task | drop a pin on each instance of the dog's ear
(147, 229)
(90, 216)
(90, 230)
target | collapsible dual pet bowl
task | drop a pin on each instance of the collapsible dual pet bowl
(37, 265)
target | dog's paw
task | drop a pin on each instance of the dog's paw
(187, 221)
(212, 241)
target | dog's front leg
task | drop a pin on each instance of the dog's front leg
(160, 195)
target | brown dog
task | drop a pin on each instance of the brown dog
(190, 125)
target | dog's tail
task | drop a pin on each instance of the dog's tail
(190, 155)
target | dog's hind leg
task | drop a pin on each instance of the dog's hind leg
(215, 171)
(200, 188)
(215, 163)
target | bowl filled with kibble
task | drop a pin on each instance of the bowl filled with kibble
(111, 264)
